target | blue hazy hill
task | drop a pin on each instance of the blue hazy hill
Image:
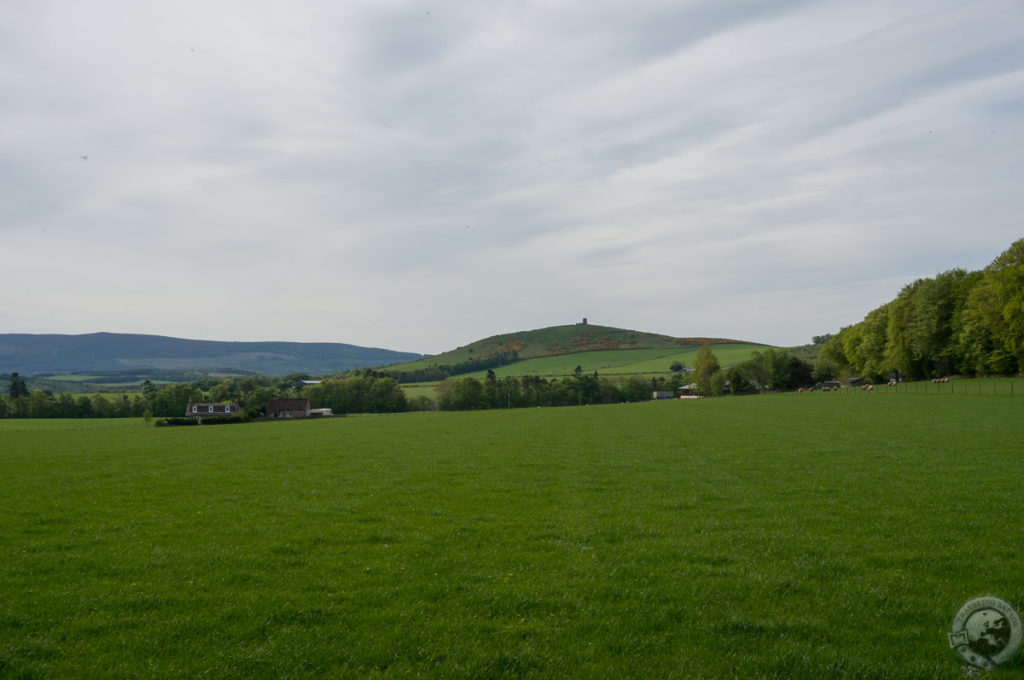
(31, 354)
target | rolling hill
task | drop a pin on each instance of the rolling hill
(558, 349)
(31, 354)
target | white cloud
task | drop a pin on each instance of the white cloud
(429, 175)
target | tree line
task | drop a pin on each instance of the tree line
(369, 393)
(959, 322)
(580, 388)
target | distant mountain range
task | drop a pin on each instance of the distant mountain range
(33, 355)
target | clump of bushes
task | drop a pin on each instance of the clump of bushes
(177, 422)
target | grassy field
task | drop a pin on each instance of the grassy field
(428, 390)
(758, 537)
(620, 362)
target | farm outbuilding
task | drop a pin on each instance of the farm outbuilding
(287, 408)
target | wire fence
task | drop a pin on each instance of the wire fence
(1007, 387)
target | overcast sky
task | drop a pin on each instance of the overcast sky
(419, 175)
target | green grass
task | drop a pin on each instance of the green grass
(756, 537)
(620, 362)
(428, 390)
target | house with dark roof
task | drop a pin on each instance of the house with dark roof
(198, 411)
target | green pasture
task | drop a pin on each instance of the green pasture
(655, 361)
(428, 390)
(604, 362)
(785, 536)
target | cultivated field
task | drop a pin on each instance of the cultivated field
(795, 536)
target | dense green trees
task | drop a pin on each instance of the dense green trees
(468, 393)
(44, 404)
(776, 370)
(371, 393)
(773, 369)
(705, 366)
(460, 394)
(958, 322)
(993, 324)
(171, 400)
(17, 387)
(357, 394)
